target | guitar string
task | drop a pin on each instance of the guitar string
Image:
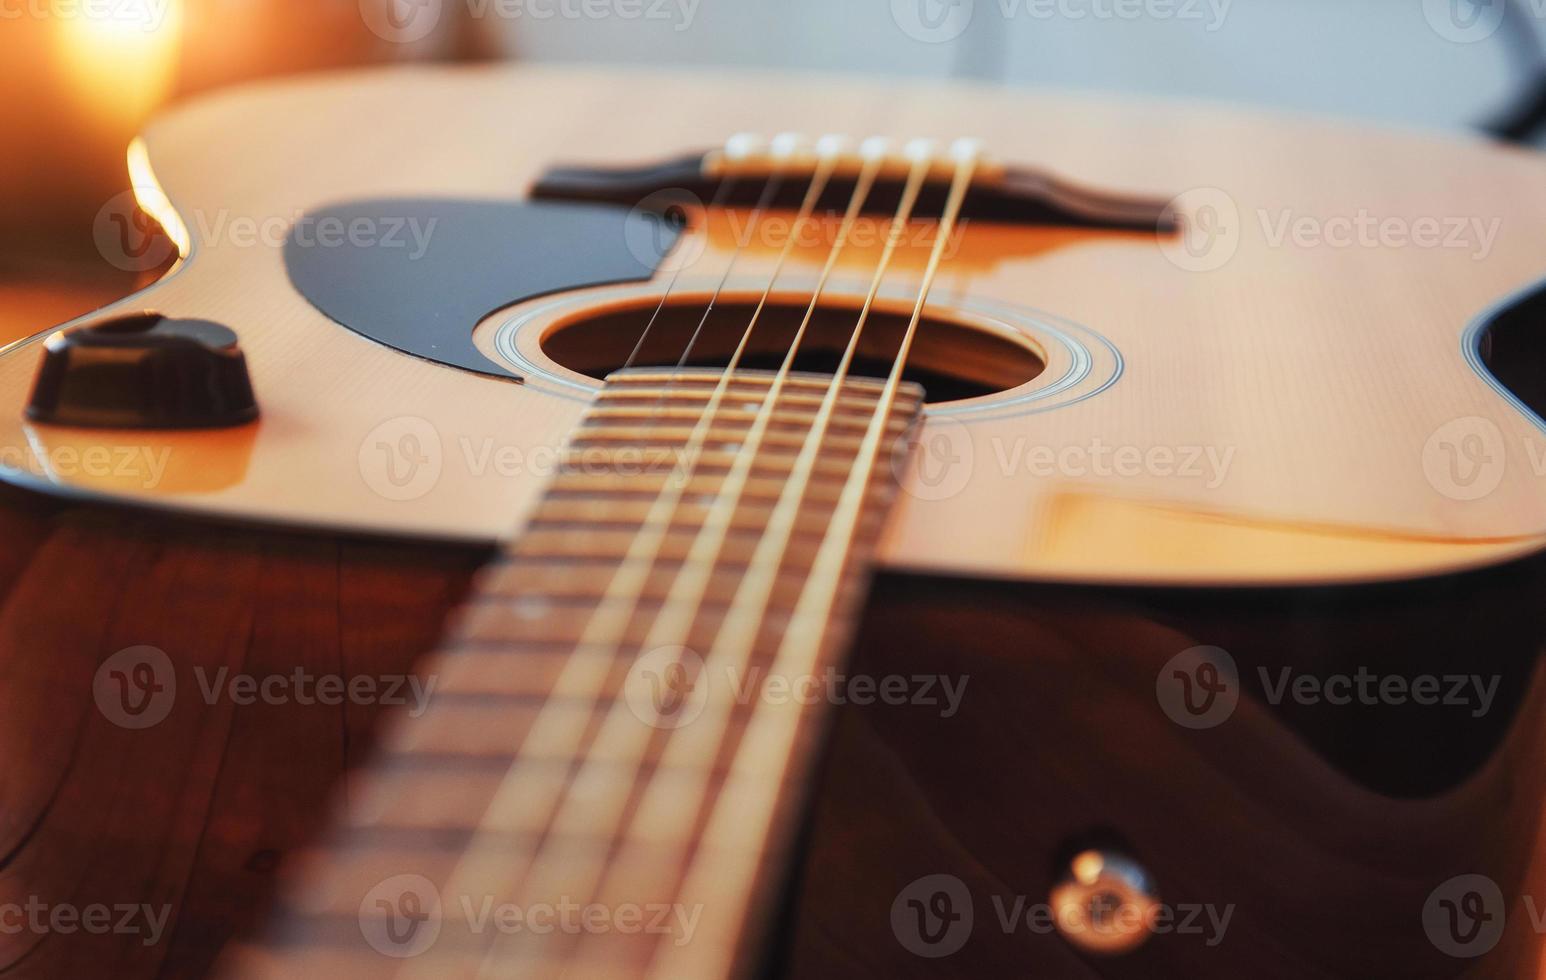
(801, 644)
(617, 721)
(721, 194)
(834, 389)
(699, 749)
(769, 192)
(581, 682)
(619, 745)
(781, 153)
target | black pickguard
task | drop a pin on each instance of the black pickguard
(424, 295)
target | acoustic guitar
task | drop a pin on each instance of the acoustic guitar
(567, 523)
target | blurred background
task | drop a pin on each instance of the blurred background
(80, 77)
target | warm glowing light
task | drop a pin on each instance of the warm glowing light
(119, 57)
(1088, 867)
(127, 17)
(152, 198)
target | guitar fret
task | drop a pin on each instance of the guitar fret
(714, 437)
(632, 456)
(493, 624)
(579, 585)
(446, 764)
(534, 708)
(732, 418)
(582, 563)
(668, 381)
(824, 488)
(634, 512)
(811, 527)
(700, 396)
(697, 490)
(715, 462)
(676, 547)
(438, 793)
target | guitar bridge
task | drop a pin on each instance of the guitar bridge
(737, 175)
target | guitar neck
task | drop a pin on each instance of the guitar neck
(606, 777)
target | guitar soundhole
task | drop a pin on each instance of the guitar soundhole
(951, 360)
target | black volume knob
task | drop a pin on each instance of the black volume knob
(144, 371)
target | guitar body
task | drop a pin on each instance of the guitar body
(1178, 485)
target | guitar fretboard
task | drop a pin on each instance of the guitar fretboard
(603, 780)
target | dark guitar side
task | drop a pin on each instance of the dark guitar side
(196, 811)
(1323, 831)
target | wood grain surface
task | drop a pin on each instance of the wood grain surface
(1324, 372)
(192, 815)
(1324, 839)
(1332, 375)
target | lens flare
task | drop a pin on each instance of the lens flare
(119, 58)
